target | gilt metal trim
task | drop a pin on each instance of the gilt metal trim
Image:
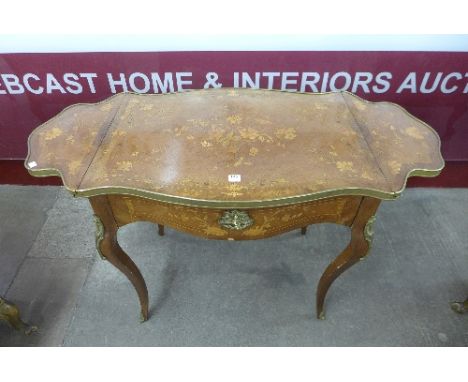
(10, 313)
(235, 219)
(369, 234)
(369, 230)
(99, 235)
(221, 204)
(460, 307)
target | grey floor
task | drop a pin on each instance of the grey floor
(220, 293)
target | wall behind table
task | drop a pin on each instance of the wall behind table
(433, 86)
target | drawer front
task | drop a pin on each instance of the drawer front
(259, 222)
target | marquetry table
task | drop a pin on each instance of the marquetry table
(235, 164)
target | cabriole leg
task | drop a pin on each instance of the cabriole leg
(160, 230)
(109, 248)
(358, 247)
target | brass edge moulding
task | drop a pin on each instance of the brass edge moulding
(226, 204)
(236, 204)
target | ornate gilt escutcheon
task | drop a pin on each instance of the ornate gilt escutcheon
(235, 219)
(99, 235)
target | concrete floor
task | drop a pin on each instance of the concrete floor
(219, 293)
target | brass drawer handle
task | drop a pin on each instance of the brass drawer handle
(235, 219)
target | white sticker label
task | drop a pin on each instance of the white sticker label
(32, 164)
(234, 178)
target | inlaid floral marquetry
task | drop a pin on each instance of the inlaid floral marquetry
(182, 147)
(235, 164)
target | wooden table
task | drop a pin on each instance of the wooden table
(235, 164)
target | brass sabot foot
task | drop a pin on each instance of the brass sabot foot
(460, 307)
(10, 313)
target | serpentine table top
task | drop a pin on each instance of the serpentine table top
(259, 152)
(286, 147)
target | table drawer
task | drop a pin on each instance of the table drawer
(250, 223)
